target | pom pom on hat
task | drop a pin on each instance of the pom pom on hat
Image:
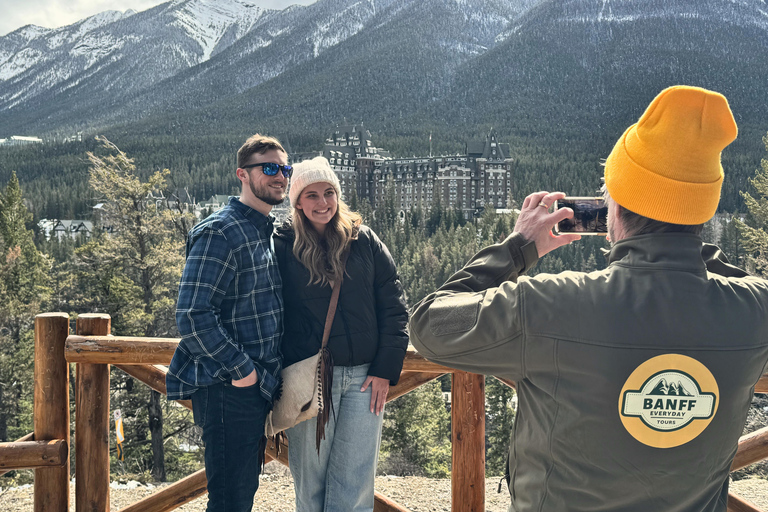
(306, 173)
(667, 166)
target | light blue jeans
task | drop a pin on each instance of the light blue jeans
(340, 478)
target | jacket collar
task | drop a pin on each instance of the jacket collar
(681, 251)
(258, 219)
(285, 231)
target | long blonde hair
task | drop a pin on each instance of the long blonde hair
(322, 256)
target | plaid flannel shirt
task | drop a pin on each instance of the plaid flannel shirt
(230, 309)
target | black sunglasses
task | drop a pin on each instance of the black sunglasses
(271, 169)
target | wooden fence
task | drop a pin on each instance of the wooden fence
(93, 350)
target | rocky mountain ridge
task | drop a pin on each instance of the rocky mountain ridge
(187, 53)
(526, 65)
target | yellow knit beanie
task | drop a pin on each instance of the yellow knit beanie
(667, 166)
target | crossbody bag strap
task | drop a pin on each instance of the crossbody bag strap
(334, 300)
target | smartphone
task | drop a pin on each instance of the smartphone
(590, 216)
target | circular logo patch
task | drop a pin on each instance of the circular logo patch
(668, 401)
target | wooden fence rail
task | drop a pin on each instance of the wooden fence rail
(28, 437)
(93, 350)
(33, 454)
(145, 360)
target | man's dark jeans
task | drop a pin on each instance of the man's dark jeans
(232, 420)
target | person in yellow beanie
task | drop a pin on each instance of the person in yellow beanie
(633, 382)
(666, 167)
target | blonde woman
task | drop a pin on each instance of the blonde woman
(367, 342)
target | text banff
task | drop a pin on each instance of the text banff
(672, 404)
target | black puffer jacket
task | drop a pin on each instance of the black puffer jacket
(371, 317)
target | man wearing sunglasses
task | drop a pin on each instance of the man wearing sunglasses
(230, 317)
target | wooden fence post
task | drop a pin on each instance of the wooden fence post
(51, 407)
(92, 423)
(468, 437)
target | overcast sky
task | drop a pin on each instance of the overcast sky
(57, 13)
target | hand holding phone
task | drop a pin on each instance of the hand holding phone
(535, 223)
(590, 216)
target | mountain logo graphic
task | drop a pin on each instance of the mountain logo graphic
(668, 400)
(663, 388)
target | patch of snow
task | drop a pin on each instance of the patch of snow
(130, 484)
(257, 44)
(275, 33)
(18, 487)
(602, 10)
(95, 47)
(186, 447)
(206, 21)
(56, 40)
(20, 62)
(66, 84)
(463, 48)
(75, 31)
(98, 20)
(30, 32)
(340, 26)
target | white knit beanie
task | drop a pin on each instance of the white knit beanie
(312, 171)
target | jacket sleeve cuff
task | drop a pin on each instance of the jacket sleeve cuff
(523, 251)
(388, 364)
(267, 383)
(242, 369)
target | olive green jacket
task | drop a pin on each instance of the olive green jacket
(633, 382)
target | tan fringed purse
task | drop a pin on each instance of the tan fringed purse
(306, 385)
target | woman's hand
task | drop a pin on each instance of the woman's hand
(379, 391)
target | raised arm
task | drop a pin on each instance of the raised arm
(474, 322)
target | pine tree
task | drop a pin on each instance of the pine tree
(23, 292)
(133, 275)
(416, 434)
(754, 230)
(752, 243)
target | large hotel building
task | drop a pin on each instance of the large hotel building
(478, 179)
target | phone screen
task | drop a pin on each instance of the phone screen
(590, 216)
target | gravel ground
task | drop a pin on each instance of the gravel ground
(276, 494)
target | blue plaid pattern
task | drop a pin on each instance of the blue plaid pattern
(230, 309)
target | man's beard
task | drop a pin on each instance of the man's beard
(264, 194)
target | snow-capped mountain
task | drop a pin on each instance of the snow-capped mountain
(37, 46)
(531, 65)
(559, 79)
(116, 50)
(604, 54)
(188, 53)
(213, 25)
